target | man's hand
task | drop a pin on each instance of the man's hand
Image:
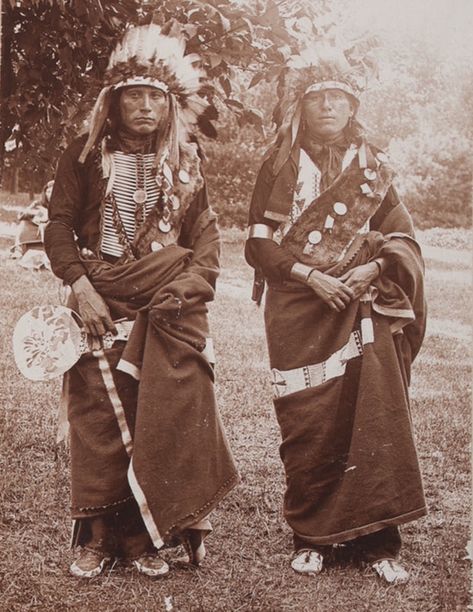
(92, 308)
(331, 290)
(358, 279)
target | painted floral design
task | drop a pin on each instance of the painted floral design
(47, 342)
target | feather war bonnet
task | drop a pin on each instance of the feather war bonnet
(147, 55)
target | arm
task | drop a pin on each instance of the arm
(201, 234)
(196, 284)
(361, 277)
(261, 252)
(64, 209)
(274, 262)
(61, 247)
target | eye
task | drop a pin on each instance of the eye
(157, 95)
(314, 97)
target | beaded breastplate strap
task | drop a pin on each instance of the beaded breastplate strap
(326, 229)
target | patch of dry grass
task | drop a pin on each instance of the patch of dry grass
(247, 566)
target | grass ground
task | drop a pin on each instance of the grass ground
(247, 565)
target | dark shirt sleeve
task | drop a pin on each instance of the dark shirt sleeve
(263, 254)
(200, 233)
(59, 238)
(391, 201)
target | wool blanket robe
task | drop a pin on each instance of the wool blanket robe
(143, 417)
(347, 439)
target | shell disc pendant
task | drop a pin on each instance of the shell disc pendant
(139, 196)
(164, 226)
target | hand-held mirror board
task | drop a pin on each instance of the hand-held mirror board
(49, 340)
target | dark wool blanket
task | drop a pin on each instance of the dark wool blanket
(347, 443)
(144, 421)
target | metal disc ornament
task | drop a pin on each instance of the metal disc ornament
(164, 226)
(139, 196)
(184, 176)
(156, 246)
(314, 237)
(340, 208)
(370, 174)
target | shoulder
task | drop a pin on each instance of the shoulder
(74, 149)
(76, 145)
(379, 153)
(266, 167)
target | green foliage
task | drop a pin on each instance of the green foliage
(52, 54)
(419, 114)
(233, 162)
(55, 53)
(435, 177)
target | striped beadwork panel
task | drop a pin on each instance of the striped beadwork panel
(128, 167)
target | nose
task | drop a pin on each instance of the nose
(146, 102)
(326, 102)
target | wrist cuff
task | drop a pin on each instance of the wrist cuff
(300, 272)
(260, 230)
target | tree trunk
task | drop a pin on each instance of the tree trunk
(15, 181)
(6, 77)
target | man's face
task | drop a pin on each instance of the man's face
(326, 112)
(142, 108)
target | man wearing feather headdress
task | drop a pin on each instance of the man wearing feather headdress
(344, 316)
(132, 233)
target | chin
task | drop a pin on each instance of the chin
(329, 133)
(146, 129)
